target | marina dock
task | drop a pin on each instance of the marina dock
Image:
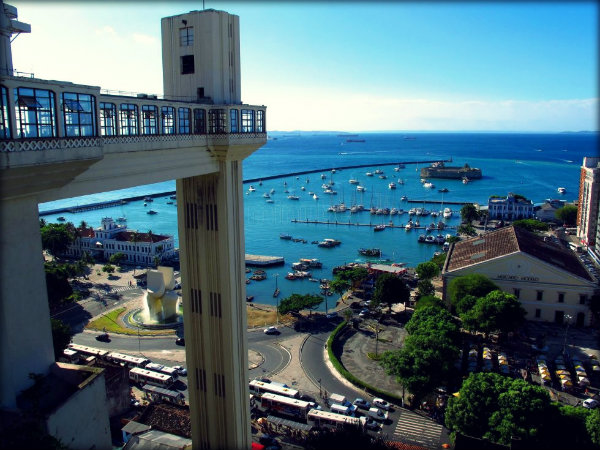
(263, 261)
(357, 224)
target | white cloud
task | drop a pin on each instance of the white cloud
(144, 39)
(106, 30)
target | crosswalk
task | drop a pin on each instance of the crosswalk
(123, 288)
(414, 428)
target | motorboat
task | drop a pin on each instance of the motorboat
(293, 197)
(315, 196)
(373, 252)
(404, 198)
(251, 189)
(392, 185)
(353, 181)
(266, 195)
(562, 190)
(369, 174)
(422, 237)
(361, 188)
(383, 177)
(428, 185)
(379, 228)
(443, 190)
(378, 171)
(447, 213)
(465, 180)
(61, 219)
(408, 226)
(151, 211)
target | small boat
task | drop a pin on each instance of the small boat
(260, 182)
(315, 196)
(314, 280)
(429, 239)
(361, 188)
(151, 211)
(145, 204)
(383, 177)
(323, 176)
(293, 197)
(369, 174)
(276, 292)
(379, 227)
(374, 252)
(378, 171)
(447, 213)
(148, 199)
(428, 185)
(251, 189)
(272, 191)
(465, 180)
(270, 200)
(400, 181)
(266, 195)
(249, 298)
(169, 203)
(408, 226)
(561, 190)
(404, 198)
(353, 181)
(443, 190)
(302, 188)
(285, 237)
(392, 185)
(393, 211)
(61, 219)
(173, 197)
(121, 219)
(422, 238)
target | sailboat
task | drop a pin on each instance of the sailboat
(276, 292)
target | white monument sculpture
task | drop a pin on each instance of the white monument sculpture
(160, 298)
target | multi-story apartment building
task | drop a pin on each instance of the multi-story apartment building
(589, 201)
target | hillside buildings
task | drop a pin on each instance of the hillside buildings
(550, 281)
(111, 238)
(511, 207)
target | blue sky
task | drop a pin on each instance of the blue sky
(352, 66)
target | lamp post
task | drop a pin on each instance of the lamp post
(277, 297)
(568, 320)
(320, 392)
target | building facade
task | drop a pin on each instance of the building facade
(111, 238)
(589, 200)
(550, 281)
(511, 207)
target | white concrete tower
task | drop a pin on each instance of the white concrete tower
(201, 57)
(9, 25)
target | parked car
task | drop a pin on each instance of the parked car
(590, 403)
(363, 312)
(180, 341)
(370, 424)
(271, 330)
(361, 403)
(180, 370)
(381, 403)
(377, 414)
(104, 337)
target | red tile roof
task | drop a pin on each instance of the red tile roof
(509, 240)
(125, 236)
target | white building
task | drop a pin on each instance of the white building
(110, 238)
(511, 207)
(550, 281)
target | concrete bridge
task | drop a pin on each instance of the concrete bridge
(60, 140)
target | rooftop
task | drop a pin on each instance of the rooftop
(510, 240)
(170, 418)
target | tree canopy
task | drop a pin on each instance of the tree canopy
(427, 270)
(353, 275)
(429, 300)
(532, 225)
(497, 311)
(56, 237)
(469, 212)
(57, 284)
(297, 302)
(440, 259)
(390, 289)
(466, 229)
(339, 286)
(117, 258)
(567, 214)
(61, 336)
(473, 284)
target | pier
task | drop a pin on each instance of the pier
(371, 225)
(263, 261)
(438, 202)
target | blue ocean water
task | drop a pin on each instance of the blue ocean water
(533, 165)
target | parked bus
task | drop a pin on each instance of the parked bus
(86, 351)
(127, 360)
(260, 387)
(143, 376)
(326, 419)
(287, 406)
(162, 369)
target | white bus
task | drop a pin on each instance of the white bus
(326, 419)
(127, 360)
(260, 387)
(143, 376)
(287, 406)
(84, 350)
(162, 369)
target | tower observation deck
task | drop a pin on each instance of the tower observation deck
(59, 140)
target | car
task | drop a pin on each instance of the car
(590, 403)
(381, 403)
(332, 315)
(104, 337)
(361, 403)
(177, 286)
(377, 414)
(363, 312)
(180, 370)
(370, 424)
(271, 330)
(180, 341)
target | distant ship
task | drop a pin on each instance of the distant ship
(355, 140)
(439, 170)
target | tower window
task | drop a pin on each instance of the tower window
(187, 64)
(186, 36)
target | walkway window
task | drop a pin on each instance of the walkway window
(199, 121)
(149, 119)
(108, 119)
(233, 120)
(184, 120)
(247, 121)
(35, 113)
(128, 119)
(167, 118)
(79, 113)
(4, 117)
(186, 36)
(216, 121)
(260, 121)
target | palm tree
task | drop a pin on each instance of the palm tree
(83, 225)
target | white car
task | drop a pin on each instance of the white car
(377, 414)
(381, 403)
(271, 330)
(590, 403)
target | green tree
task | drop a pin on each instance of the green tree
(592, 424)
(43, 222)
(425, 288)
(390, 289)
(87, 258)
(109, 269)
(466, 229)
(296, 303)
(61, 336)
(439, 260)
(57, 284)
(354, 275)
(469, 213)
(567, 214)
(117, 258)
(339, 286)
(532, 225)
(429, 300)
(56, 237)
(427, 270)
(83, 225)
(433, 319)
(473, 284)
(465, 304)
(497, 311)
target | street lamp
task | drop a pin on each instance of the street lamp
(320, 392)
(568, 319)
